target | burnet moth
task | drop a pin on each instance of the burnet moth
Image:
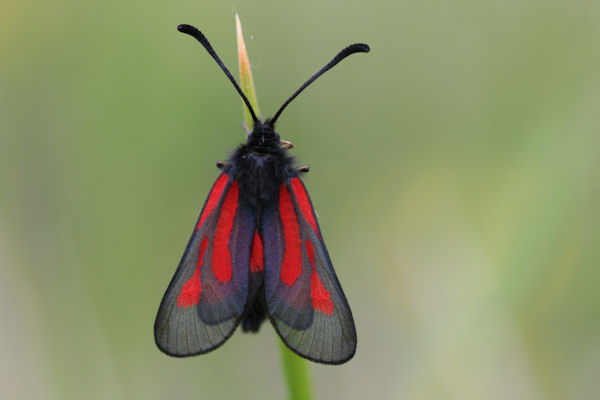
(256, 252)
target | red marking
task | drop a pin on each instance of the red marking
(321, 300)
(221, 256)
(304, 204)
(291, 267)
(190, 291)
(256, 256)
(213, 198)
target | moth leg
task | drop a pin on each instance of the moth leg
(286, 144)
(304, 168)
(220, 164)
(246, 129)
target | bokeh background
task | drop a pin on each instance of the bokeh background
(455, 171)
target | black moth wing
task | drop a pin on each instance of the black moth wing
(191, 321)
(316, 325)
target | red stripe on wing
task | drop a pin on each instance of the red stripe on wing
(213, 198)
(291, 267)
(321, 299)
(257, 262)
(221, 256)
(190, 291)
(304, 204)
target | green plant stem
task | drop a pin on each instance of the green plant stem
(246, 81)
(295, 369)
(296, 374)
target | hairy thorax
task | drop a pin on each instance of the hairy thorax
(260, 173)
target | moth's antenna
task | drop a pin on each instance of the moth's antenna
(190, 30)
(353, 48)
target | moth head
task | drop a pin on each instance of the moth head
(264, 135)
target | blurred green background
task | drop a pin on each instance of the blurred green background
(454, 169)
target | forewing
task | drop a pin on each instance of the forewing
(304, 298)
(207, 295)
(287, 283)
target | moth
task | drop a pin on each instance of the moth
(256, 251)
